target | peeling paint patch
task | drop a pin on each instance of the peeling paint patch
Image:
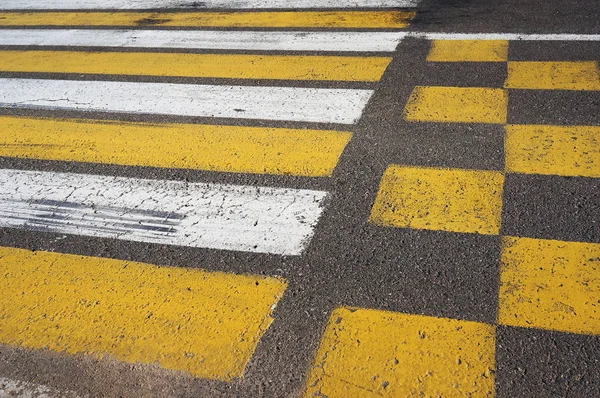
(550, 284)
(229, 217)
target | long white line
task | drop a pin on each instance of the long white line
(187, 4)
(241, 218)
(343, 106)
(504, 36)
(199, 39)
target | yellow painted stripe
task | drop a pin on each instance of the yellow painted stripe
(242, 19)
(558, 150)
(204, 323)
(581, 75)
(457, 105)
(236, 66)
(440, 199)
(369, 353)
(261, 150)
(468, 51)
(549, 284)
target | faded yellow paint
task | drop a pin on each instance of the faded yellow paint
(457, 105)
(261, 150)
(241, 19)
(580, 75)
(370, 353)
(235, 66)
(558, 150)
(450, 200)
(549, 284)
(468, 51)
(204, 323)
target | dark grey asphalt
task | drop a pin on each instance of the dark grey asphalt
(350, 262)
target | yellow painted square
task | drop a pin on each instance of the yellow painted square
(370, 353)
(457, 105)
(468, 51)
(580, 75)
(549, 284)
(556, 150)
(440, 199)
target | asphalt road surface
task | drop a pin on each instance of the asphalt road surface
(261, 198)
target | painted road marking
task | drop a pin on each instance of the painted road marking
(550, 284)
(343, 106)
(468, 51)
(450, 200)
(368, 353)
(242, 4)
(457, 105)
(23, 389)
(388, 19)
(204, 323)
(205, 39)
(228, 217)
(311, 153)
(576, 75)
(555, 150)
(503, 36)
(235, 66)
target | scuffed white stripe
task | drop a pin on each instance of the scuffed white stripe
(229, 217)
(187, 4)
(504, 36)
(205, 39)
(343, 106)
(22, 389)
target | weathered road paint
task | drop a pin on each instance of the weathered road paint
(236, 66)
(371, 353)
(229, 217)
(204, 323)
(549, 284)
(205, 39)
(457, 105)
(468, 51)
(388, 19)
(311, 153)
(452, 200)
(553, 150)
(575, 75)
(241, 4)
(23, 389)
(343, 106)
(504, 36)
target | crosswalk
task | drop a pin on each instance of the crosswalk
(252, 92)
(545, 283)
(213, 87)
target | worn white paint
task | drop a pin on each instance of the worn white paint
(343, 106)
(229, 217)
(504, 36)
(204, 39)
(16, 388)
(204, 4)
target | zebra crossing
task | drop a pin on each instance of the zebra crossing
(71, 82)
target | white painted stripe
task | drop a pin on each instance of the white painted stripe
(242, 218)
(504, 36)
(23, 389)
(204, 39)
(187, 4)
(343, 106)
